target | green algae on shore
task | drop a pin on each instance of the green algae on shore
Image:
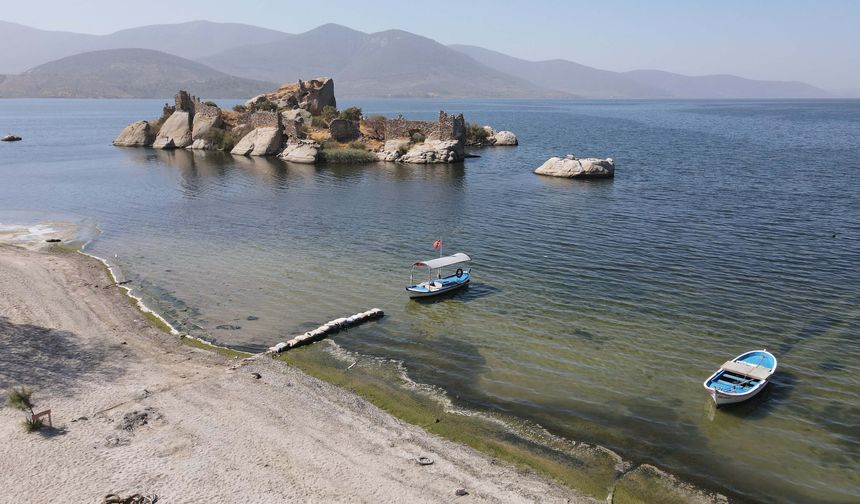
(592, 470)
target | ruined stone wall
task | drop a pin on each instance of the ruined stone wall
(183, 101)
(265, 120)
(206, 110)
(445, 128)
(404, 128)
(294, 128)
(458, 128)
(189, 103)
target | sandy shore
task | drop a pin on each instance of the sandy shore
(211, 433)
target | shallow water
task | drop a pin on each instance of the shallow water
(597, 308)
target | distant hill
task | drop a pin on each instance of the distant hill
(388, 63)
(126, 73)
(385, 64)
(566, 76)
(590, 82)
(723, 86)
(29, 47)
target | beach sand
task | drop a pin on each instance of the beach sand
(202, 431)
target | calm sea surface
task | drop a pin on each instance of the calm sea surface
(597, 308)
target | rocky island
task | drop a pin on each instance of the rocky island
(300, 123)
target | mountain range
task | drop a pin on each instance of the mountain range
(236, 60)
(126, 73)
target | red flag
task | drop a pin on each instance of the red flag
(437, 244)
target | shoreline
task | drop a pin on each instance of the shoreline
(616, 480)
(137, 411)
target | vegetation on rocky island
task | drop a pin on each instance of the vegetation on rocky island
(351, 153)
(476, 134)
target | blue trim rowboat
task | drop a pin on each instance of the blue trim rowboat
(741, 378)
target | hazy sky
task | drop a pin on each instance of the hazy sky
(813, 41)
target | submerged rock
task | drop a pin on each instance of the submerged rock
(571, 167)
(646, 483)
(175, 133)
(259, 142)
(304, 152)
(136, 134)
(201, 144)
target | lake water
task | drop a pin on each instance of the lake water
(597, 308)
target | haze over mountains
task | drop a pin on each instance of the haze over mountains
(234, 60)
(126, 73)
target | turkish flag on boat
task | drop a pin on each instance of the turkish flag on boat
(437, 244)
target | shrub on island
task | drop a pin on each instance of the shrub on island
(351, 114)
(476, 134)
(354, 153)
(223, 140)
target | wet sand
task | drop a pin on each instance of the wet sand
(136, 411)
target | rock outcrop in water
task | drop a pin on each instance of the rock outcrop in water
(175, 133)
(136, 134)
(486, 136)
(10, 138)
(265, 141)
(302, 152)
(504, 138)
(300, 123)
(571, 167)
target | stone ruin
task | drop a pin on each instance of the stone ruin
(445, 128)
(185, 102)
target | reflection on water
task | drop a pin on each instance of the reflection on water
(597, 307)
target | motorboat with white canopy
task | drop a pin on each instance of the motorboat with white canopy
(440, 284)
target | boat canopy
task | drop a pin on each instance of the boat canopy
(441, 262)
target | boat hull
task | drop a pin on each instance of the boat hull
(721, 399)
(413, 294)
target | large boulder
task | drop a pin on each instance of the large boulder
(504, 138)
(344, 130)
(571, 167)
(304, 152)
(319, 93)
(12, 138)
(203, 123)
(136, 134)
(259, 142)
(434, 151)
(175, 133)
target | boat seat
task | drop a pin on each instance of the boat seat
(756, 372)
